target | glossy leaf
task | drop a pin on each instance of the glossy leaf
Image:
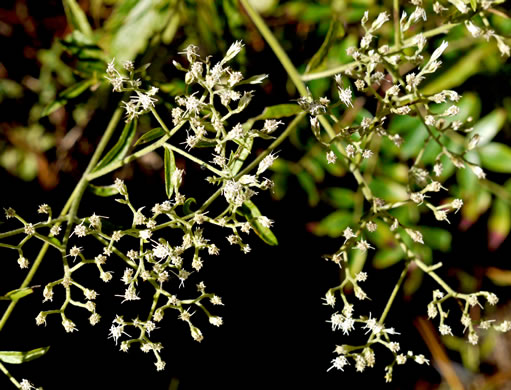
(250, 211)
(496, 157)
(169, 162)
(70, 93)
(120, 149)
(19, 293)
(18, 357)
(151, 135)
(257, 79)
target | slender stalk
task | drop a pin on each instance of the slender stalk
(397, 24)
(74, 201)
(444, 28)
(8, 374)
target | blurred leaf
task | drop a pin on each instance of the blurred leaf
(334, 31)
(135, 24)
(279, 185)
(313, 167)
(151, 135)
(413, 281)
(388, 190)
(103, 191)
(338, 197)
(308, 12)
(357, 260)
(251, 213)
(279, 111)
(120, 149)
(386, 257)
(499, 223)
(69, 93)
(459, 72)
(307, 183)
(18, 357)
(333, 224)
(499, 276)
(474, 207)
(436, 238)
(496, 157)
(170, 168)
(489, 126)
(17, 294)
(257, 79)
(76, 17)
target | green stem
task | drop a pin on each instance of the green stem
(11, 378)
(275, 45)
(73, 201)
(397, 24)
(444, 28)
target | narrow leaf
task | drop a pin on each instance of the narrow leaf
(238, 159)
(321, 54)
(76, 17)
(70, 93)
(280, 111)
(170, 168)
(19, 293)
(18, 357)
(103, 191)
(257, 79)
(250, 211)
(120, 149)
(151, 135)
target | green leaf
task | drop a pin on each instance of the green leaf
(76, 17)
(170, 168)
(333, 224)
(334, 31)
(309, 186)
(18, 357)
(388, 190)
(136, 24)
(456, 75)
(187, 204)
(496, 157)
(386, 257)
(257, 79)
(436, 238)
(238, 158)
(70, 93)
(499, 223)
(340, 197)
(489, 126)
(151, 135)
(120, 149)
(499, 277)
(19, 293)
(103, 191)
(250, 211)
(280, 111)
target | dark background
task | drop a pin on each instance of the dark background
(275, 333)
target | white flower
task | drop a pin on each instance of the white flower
(331, 158)
(345, 96)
